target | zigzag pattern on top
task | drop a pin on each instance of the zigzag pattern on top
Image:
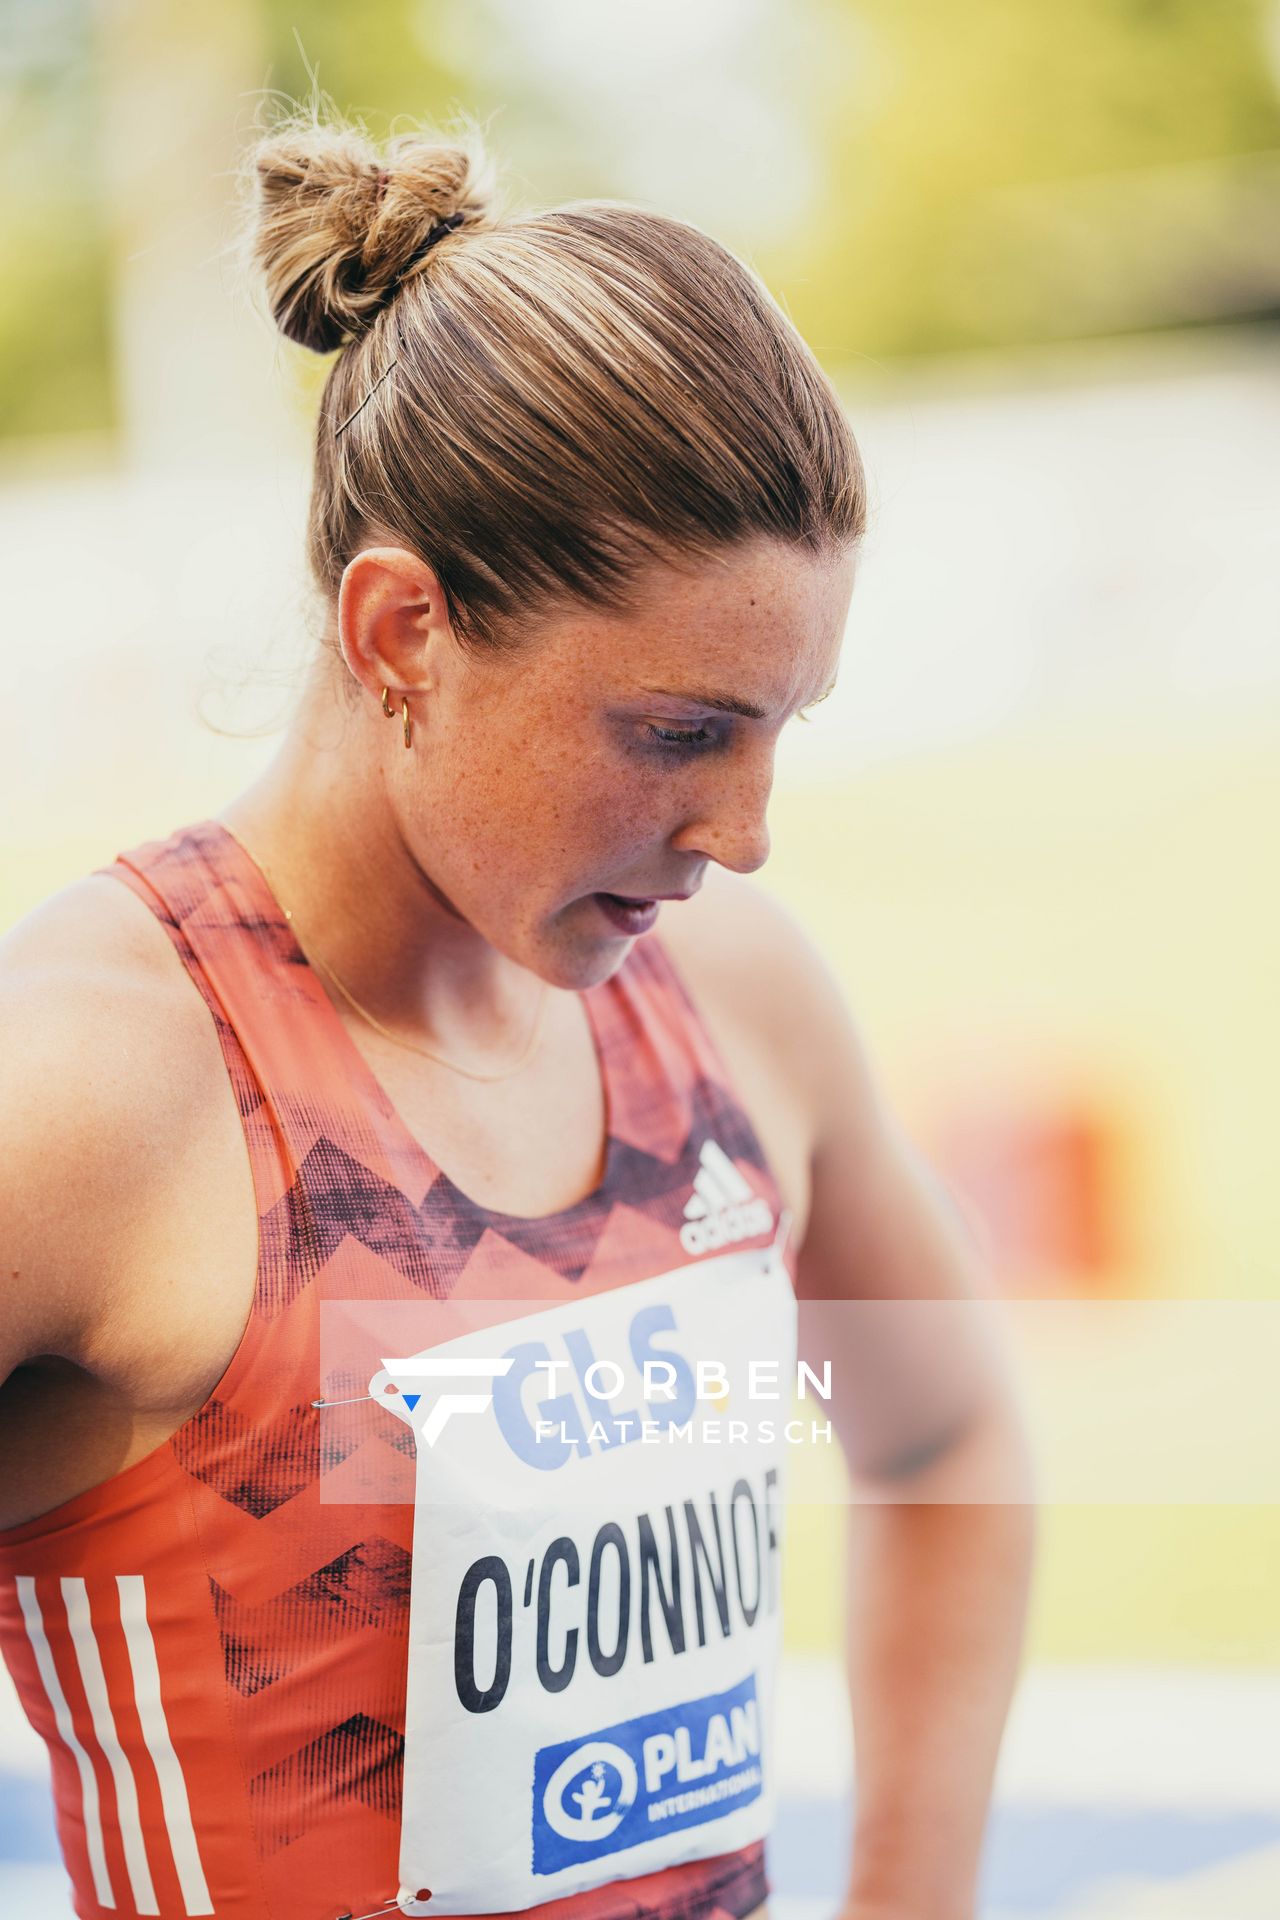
(283, 1640)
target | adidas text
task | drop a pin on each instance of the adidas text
(723, 1228)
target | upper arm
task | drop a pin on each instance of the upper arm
(91, 1111)
(890, 1280)
(882, 1225)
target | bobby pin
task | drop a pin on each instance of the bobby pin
(364, 403)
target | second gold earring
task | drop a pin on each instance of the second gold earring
(404, 714)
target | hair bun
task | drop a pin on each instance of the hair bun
(337, 225)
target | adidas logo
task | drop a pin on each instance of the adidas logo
(722, 1208)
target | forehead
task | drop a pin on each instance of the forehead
(762, 623)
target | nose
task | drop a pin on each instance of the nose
(730, 825)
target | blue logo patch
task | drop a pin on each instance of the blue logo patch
(646, 1777)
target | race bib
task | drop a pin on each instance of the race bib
(596, 1591)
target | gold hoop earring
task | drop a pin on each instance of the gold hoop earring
(386, 703)
(408, 725)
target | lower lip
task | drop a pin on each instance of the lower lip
(628, 920)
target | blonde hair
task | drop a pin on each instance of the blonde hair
(536, 403)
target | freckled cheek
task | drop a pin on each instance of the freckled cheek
(628, 805)
(565, 806)
(502, 777)
(532, 828)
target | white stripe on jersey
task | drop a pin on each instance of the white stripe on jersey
(155, 1731)
(76, 1596)
(34, 1623)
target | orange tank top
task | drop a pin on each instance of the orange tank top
(214, 1652)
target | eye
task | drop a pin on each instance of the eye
(689, 739)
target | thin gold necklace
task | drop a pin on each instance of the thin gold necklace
(396, 1039)
(412, 1046)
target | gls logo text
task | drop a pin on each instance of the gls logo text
(550, 1432)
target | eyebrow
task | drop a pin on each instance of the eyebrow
(725, 702)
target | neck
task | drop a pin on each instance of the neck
(320, 825)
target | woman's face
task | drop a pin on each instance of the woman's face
(599, 759)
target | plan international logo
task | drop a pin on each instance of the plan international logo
(722, 1208)
(664, 1771)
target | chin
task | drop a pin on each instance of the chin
(576, 965)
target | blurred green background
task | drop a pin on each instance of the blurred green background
(1036, 247)
(913, 177)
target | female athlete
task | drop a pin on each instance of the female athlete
(469, 998)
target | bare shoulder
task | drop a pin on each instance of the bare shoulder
(759, 974)
(90, 966)
(106, 1053)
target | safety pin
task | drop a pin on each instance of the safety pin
(388, 1390)
(392, 1906)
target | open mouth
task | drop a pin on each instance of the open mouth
(627, 916)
